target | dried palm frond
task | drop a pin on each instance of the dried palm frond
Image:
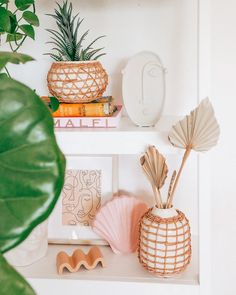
(155, 168)
(198, 131)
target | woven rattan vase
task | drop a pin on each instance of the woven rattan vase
(165, 242)
(77, 82)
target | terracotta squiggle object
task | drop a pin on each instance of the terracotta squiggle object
(78, 259)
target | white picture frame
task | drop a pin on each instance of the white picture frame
(87, 179)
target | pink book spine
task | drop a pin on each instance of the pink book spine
(89, 122)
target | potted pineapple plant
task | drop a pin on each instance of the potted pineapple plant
(76, 75)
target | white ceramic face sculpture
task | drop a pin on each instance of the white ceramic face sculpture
(143, 88)
(31, 249)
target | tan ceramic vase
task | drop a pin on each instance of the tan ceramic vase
(165, 242)
(77, 82)
(33, 248)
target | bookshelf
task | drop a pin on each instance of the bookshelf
(126, 139)
(121, 269)
(123, 273)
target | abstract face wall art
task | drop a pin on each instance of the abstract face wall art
(89, 183)
(81, 196)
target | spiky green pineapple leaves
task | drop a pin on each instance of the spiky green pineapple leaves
(67, 46)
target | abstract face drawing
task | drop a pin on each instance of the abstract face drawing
(81, 196)
(85, 204)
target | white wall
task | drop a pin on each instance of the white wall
(167, 27)
(224, 156)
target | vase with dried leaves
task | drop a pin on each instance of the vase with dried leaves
(165, 238)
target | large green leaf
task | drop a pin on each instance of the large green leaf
(11, 281)
(23, 4)
(13, 57)
(3, 75)
(13, 21)
(54, 103)
(28, 30)
(5, 23)
(31, 18)
(31, 164)
(14, 37)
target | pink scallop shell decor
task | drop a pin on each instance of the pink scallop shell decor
(118, 223)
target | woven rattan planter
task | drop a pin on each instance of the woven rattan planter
(77, 82)
(165, 242)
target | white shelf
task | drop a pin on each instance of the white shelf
(120, 268)
(126, 139)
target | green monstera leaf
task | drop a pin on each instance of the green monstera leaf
(11, 281)
(31, 164)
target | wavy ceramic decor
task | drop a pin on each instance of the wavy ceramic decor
(78, 259)
(118, 223)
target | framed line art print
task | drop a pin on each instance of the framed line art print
(88, 184)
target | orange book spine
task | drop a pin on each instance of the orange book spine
(83, 110)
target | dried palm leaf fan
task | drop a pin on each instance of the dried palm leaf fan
(155, 168)
(198, 131)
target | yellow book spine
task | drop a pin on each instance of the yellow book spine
(83, 110)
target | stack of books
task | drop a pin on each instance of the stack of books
(101, 113)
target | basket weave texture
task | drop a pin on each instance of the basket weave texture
(165, 244)
(77, 82)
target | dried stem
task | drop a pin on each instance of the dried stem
(157, 197)
(185, 157)
(170, 187)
